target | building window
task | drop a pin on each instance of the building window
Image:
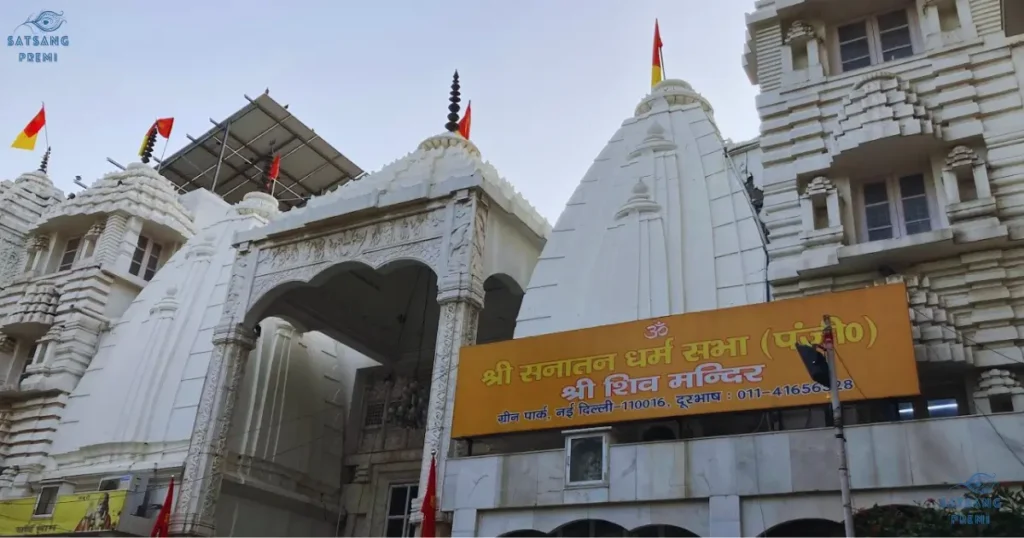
(875, 40)
(374, 414)
(147, 256)
(905, 411)
(46, 501)
(896, 207)
(399, 508)
(1001, 403)
(31, 358)
(1013, 17)
(945, 407)
(587, 462)
(70, 252)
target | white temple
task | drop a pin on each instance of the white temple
(294, 371)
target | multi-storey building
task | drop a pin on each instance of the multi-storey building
(154, 335)
(108, 302)
(892, 149)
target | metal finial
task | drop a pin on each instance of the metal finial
(453, 109)
(46, 161)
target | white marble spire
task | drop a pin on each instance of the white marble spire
(659, 225)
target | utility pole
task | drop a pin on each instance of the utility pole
(828, 341)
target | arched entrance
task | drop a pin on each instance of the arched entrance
(661, 531)
(407, 292)
(799, 528)
(583, 528)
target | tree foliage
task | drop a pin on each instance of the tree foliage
(998, 513)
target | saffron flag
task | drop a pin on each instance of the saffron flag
(27, 138)
(273, 171)
(429, 507)
(466, 120)
(164, 126)
(656, 67)
(162, 525)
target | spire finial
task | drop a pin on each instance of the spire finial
(453, 116)
(46, 161)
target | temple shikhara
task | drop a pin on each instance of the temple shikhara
(256, 337)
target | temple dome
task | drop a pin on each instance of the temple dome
(138, 191)
(437, 159)
(659, 225)
(27, 197)
(674, 92)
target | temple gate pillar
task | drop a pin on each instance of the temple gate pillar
(200, 487)
(196, 507)
(461, 298)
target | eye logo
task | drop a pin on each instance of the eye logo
(45, 21)
(980, 483)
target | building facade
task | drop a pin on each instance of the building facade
(890, 152)
(296, 371)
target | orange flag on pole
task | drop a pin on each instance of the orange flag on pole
(466, 120)
(162, 525)
(429, 508)
(164, 126)
(273, 172)
(27, 138)
(657, 72)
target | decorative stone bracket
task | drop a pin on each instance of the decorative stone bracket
(968, 191)
(802, 54)
(995, 383)
(933, 329)
(820, 214)
(881, 105)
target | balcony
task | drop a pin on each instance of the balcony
(920, 454)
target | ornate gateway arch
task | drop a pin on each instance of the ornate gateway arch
(441, 207)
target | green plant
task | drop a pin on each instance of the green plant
(997, 513)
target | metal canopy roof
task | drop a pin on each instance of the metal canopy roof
(309, 165)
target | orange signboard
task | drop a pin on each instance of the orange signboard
(733, 359)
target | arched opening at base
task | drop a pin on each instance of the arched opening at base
(661, 531)
(502, 299)
(350, 336)
(596, 528)
(799, 528)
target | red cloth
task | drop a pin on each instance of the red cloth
(429, 508)
(466, 120)
(164, 126)
(162, 526)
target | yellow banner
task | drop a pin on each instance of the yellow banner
(732, 359)
(86, 512)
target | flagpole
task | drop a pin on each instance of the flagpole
(46, 130)
(167, 142)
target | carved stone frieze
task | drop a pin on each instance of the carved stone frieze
(462, 277)
(800, 32)
(416, 237)
(349, 243)
(234, 307)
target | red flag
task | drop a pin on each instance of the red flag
(27, 137)
(164, 126)
(657, 70)
(429, 507)
(465, 121)
(275, 168)
(162, 526)
(273, 172)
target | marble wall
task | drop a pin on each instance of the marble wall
(728, 477)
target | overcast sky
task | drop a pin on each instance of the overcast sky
(550, 80)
